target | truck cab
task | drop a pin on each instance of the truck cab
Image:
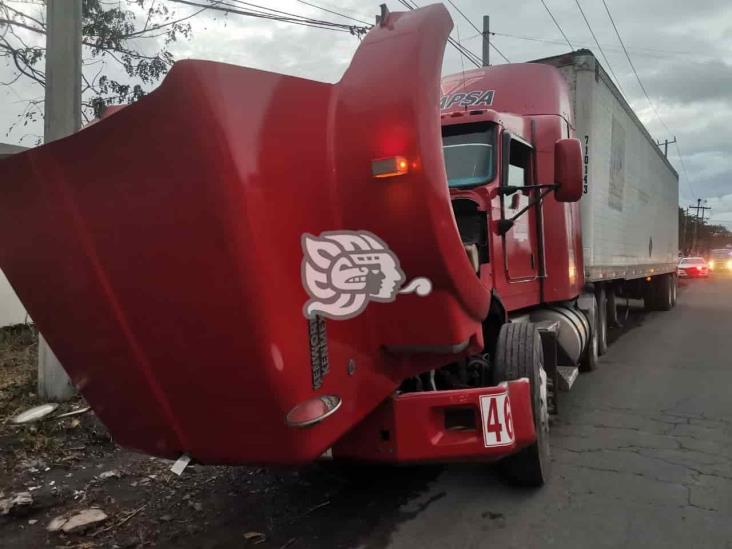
(508, 128)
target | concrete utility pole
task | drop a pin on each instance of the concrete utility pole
(62, 118)
(665, 144)
(486, 41)
(698, 220)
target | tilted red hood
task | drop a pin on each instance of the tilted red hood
(159, 250)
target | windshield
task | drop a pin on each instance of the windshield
(693, 261)
(469, 154)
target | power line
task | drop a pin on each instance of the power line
(689, 182)
(645, 52)
(632, 66)
(276, 15)
(334, 12)
(653, 106)
(268, 12)
(499, 52)
(571, 47)
(469, 55)
(609, 66)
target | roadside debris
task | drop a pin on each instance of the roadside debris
(121, 522)
(112, 473)
(180, 464)
(78, 522)
(316, 507)
(21, 500)
(255, 538)
(35, 414)
(73, 413)
(33, 465)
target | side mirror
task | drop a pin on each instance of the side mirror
(568, 170)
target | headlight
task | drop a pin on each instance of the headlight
(711, 264)
(729, 263)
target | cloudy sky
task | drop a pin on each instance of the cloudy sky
(679, 48)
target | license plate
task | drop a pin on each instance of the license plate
(495, 411)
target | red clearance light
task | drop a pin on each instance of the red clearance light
(389, 167)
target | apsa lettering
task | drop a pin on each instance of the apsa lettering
(477, 98)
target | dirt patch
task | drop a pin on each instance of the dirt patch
(70, 465)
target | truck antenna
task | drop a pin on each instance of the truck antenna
(462, 61)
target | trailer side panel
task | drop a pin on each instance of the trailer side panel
(629, 211)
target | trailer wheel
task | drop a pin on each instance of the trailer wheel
(674, 289)
(664, 292)
(612, 307)
(601, 298)
(590, 356)
(519, 354)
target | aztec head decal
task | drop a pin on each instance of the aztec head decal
(343, 270)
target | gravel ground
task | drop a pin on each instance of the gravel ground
(70, 465)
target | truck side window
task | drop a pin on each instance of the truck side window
(518, 171)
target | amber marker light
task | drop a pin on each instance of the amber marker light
(391, 166)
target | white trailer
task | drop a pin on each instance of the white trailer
(630, 208)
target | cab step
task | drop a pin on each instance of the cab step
(548, 330)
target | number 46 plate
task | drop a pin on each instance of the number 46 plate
(495, 411)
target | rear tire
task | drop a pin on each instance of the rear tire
(612, 307)
(601, 298)
(650, 296)
(591, 355)
(519, 354)
(664, 291)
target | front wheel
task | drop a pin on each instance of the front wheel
(519, 354)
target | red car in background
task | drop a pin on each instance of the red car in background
(693, 267)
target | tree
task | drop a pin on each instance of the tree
(697, 237)
(125, 49)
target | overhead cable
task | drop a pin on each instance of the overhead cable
(491, 44)
(571, 47)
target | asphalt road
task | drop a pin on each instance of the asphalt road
(642, 451)
(642, 457)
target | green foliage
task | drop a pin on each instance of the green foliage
(125, 48)
(697, 238)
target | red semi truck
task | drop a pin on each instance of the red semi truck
(246, 267)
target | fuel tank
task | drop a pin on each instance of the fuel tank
(161, 250)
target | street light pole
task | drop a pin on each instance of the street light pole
(62, 118)
(486, 41)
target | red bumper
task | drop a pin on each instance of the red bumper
(445, 426)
